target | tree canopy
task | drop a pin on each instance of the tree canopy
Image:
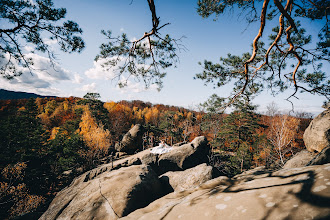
(33, 23)
(145, 58)
(290, 61)
(286, 60)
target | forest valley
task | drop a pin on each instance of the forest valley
(43, 138)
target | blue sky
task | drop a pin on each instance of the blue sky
(205, 39)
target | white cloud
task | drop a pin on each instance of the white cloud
(49, 41)
(134, 87)
(77, 79)
(99, 72)
(28, 49)
(40, 81)
(89, 87)
(122, 29)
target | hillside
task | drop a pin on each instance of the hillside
(46, 142)
(8, 95)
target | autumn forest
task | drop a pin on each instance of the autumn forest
(46, 142)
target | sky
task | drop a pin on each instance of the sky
(76, 74)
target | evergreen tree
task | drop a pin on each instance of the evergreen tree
(238, 134)
(28, 22)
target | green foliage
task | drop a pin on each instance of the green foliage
(29, 22)
(92, 96)
(97, 109)
(238, 135)
(289, 61)
(64, 152)
(169, 126)
(143, 59)
(22, 136)
(214, 104)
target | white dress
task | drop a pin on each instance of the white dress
(161, 149)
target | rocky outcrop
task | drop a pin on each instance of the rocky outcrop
(322, 158)
(109, 195)
(188, 179)
(115, 189)
(124, 188)
(185, 156)
(299, 193)
(301, 159)
(317, 135)
(198, 154)
(132, 140)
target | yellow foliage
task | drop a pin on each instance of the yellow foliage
(110, 106)
(138, 115)
(189, 116)
(14, 171)
(96, 138)
(50, 107)
(26, 204)
(135, 109)
(66, 105)
(151, 115)
(21, 109)
(53, 133)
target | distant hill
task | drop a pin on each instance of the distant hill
(6, 95)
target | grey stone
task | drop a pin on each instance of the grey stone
(301, 159)
(317, 134)
(109, 195)
(132, 140)
(187, 179)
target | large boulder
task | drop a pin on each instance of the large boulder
(322, 158)
(185, 156)
(298, 193)
(317, 134)
(132, 140)
(108, 195)
(187, 179)
(299, 160)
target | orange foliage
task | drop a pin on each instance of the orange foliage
(11, 190)
(96, 138)
(282, 133)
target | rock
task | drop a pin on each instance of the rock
(322, 158)
(120, 154)
(296, 193)
(317, 134)
(132, 140)
(67, 172)
(79, 170)
(151, 160)
(180, 144)
(185, 156)
(107, 196)
(301, 159)
(188, 179)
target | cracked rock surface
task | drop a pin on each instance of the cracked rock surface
(109, 195)
(298, 193)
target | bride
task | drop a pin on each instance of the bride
(161, 148)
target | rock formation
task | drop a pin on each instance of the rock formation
(187, 179)
(301, 159)
(322, 158)
(132, 140)
(317, 135)
(186, 156)
(135, 188)
(299, 193)
(109, 195)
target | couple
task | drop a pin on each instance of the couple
(161, 148)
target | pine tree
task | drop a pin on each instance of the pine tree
(238, 134)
